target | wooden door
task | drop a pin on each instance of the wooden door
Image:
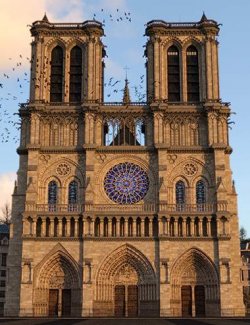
(186, 301)
(199, 293)
(53, 302)
(132, 301)
(119, 301)
(66, 302)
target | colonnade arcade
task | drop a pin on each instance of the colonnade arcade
(126, 226)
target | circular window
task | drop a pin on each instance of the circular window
(126, 183)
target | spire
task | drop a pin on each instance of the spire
(45, 18)
(203, 18)
(126, 96)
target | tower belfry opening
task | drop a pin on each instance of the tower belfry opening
(124, 209)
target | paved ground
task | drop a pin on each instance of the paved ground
(128, 321)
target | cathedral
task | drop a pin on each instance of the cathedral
(124, 209)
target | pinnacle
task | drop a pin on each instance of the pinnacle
(45, 18)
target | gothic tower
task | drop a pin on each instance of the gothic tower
(124, 209)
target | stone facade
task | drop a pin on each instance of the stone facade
(4, 248)
(170, 246)
(245, 273)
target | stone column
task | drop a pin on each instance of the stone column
(101, 227)
(59, 227)
(200, 227)
(51, 227)
(142, 227)
(91, 232)
(150, 226)
(218, 226)
(161, 231)
(85, 225)
(175, 227)
(34, 227)
(67, 227)
(192, 227)
(109, 227)
(167, 227)
(183, 77)
(76, 227)
(209, 227)
(125, 227)
(184, 227)
(134, 227)
(43, 227)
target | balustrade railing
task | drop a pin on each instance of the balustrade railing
(152, 208)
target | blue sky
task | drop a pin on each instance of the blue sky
(124, 41)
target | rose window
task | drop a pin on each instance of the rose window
(126, 183)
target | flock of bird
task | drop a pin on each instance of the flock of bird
(119, 16)
(14, 83)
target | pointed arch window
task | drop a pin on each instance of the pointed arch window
(200, 192)
(173, 74)
(75, 88)
(52, 195)
(56, 75)
(193, 92)
(72, 195)
(180, 192)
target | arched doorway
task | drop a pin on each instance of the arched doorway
(57, 290)
(194, 286)
(126, 285)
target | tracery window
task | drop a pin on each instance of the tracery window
(52, 193)
(56, 75)
(75, 74)
(173, 74)
(200, 192)
(72, 195)
(126, 183)
(180, 192)
(124, 132)
(193, 92)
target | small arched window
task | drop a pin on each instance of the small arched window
(52, 192)
(56, 75)
(173, 74)
(200, 192)
(75, 88)
(193, 92)
(72, 195)
(180, 192)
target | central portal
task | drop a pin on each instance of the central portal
(126, 301)
(59, 302)
(126, 285)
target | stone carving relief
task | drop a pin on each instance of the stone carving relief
(58, 279)
(101, 157)
(126, 274)
(45, 158)
(171, 158)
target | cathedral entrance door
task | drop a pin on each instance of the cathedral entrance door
(53, 302)
(199, 293)
(119, 301)
(132, 301)
(186, 299)
(66, 302)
